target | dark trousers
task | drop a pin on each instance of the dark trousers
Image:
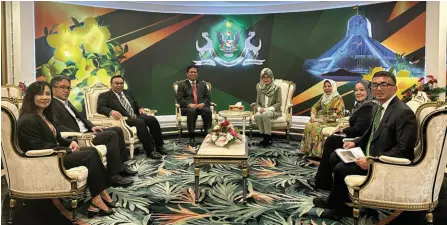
(339, 193)
(323, 179)
(89, 157)
(191, 118)
(113, 138)
(142, 123)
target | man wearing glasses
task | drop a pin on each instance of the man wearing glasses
(119, 102)
(393, 132)
(68, 119)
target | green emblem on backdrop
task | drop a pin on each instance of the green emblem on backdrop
(228, 45)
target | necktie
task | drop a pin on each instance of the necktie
(127, 106)
(375, 126)
(194, 92)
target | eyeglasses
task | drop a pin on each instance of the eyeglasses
(382, 85)
(118, 83)
(64, 88)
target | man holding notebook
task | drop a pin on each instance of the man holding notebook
(393, 132)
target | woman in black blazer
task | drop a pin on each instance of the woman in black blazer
(359, 122)
(37, 132)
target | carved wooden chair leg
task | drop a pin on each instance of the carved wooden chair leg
(132, 149)
(12, 205)
(180, 131)
(356, 214)
(250, 126)
(429, 218)
(74, 205)
(287, 136)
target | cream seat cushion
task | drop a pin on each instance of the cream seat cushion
(79, 173)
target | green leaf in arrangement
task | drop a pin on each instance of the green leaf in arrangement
(53, 27)
(126, 48)
(76, 22)
(45, 30)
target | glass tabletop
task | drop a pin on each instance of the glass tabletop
(234, 113)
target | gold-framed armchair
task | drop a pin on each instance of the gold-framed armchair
(13, 94)
(401, 184)
(285, 120)
(91, 100)
(181, 120)
(38, 174)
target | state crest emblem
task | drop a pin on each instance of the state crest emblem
(228, 45)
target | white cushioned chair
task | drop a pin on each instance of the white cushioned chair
(285, 120)
(91, 100)
(38, 174)
(401, 184)
(13, 94)
(181, 120)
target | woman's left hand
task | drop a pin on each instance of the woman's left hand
(74, 146)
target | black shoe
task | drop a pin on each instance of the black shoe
(268, 140)
(262, 142)
(330, 214)
(127, 171)
(118, 181)
(112, 204)
(311, 182)
(161, 150)
(320, 202)
(99, 211)
(153, 155)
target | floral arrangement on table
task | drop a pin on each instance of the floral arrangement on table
(224, 134)
(429, 86)
(84, 52)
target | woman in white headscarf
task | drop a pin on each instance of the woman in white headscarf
(268, 105)
(330, 102)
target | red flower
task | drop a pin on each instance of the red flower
(225, 123)
(430, 76)
(408, 94)
(421, 79)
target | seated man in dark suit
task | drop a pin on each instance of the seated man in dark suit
(119, 102)
(393, 132)
(194, 99)
(68, 119)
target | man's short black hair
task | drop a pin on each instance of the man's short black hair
(385, 74)
(116, 76)
(58, 79)
(190, 67)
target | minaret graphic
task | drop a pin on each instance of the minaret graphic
(356, 53)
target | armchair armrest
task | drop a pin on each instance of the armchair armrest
(45, 152)
(37, 153)
(150, 111)
(394, 160)
(86, 136)
(252, 106)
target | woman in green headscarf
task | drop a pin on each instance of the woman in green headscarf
(268, 105)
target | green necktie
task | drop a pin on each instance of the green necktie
(375, 126)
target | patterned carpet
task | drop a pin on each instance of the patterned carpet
(277, 191)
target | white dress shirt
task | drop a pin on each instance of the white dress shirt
(81, 125)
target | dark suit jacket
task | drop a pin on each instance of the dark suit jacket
(108, 101)
(360, 120)
(65, 121)
(396, 134)
(34, 134)
(185, 97)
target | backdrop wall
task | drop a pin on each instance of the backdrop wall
(152, 50)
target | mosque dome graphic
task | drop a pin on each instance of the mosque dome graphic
(356, 53)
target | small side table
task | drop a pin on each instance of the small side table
(209, 153)
(236, 114)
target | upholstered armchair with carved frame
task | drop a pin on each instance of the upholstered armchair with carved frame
(38, 174)
(181, 120)
(401, 184)
(285, 120)
(86, 140)
(91, 100)
(13, 94)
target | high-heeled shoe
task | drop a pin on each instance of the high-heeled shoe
(112, 204)
(102, 212)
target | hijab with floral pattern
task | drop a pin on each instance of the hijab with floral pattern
(369, 96)
(270, 88)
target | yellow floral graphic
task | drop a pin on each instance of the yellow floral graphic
(53, 68)
(66, 43)
(85, 67)
(94, 37)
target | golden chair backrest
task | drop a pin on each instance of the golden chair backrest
(91, 97)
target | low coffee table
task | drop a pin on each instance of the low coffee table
(235, 154)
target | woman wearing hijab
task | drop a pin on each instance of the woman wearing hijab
(330, 102)
(359, 122)
(268, 105)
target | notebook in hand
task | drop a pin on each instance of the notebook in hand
(350, 155)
